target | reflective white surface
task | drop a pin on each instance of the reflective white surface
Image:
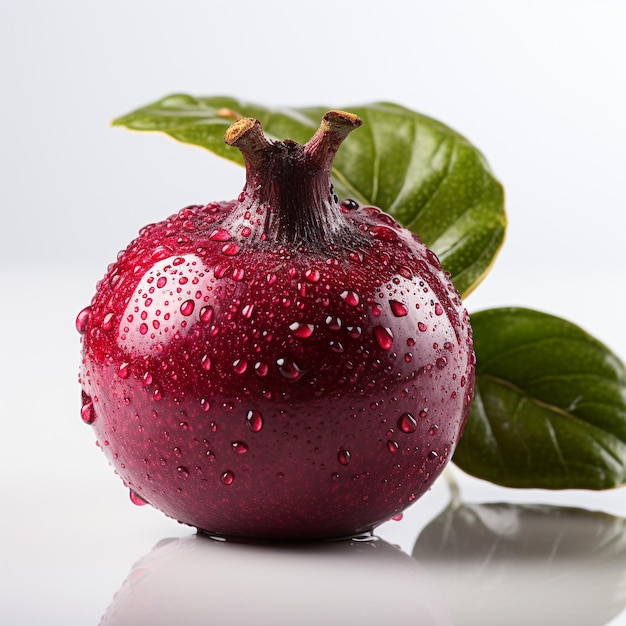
(539, 86)
(75, 549)
(472, 565)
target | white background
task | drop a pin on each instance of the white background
(539, 86)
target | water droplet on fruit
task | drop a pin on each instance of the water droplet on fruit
(398, 309)
(220, 269)
(227, 477)
(220, 235)
(424, 413)
(187, 307)
(206, 362)
(343, 456)
(392, 446)
(239, 447)
(182, 471)
(422, 327)
(107, 322)
(261, 368)
(438, 309)
(398, 517)
(432, 455)
(87, 412)
(206, 314)
(160, 254)
(82, 319)
(336, 346)
(383, 337)
(350, 297)
(231, 249)
(289, 369)
(254, 421)
(302, 331)
(349, 204)
(123, 370)
(441, 362)
(239, 273)
(312, 275)
(334, 323)
(433, 430)
(383, 233)
(407, 423)
(136, 499)
(240, 366)
(354, 331)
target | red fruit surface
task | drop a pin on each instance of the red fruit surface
(280, 366)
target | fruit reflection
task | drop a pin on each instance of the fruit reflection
(197, 581)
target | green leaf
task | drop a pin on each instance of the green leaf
(430, 178)
(549, 409)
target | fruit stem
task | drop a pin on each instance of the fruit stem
(334, 128)
(290, 184)
(247, 135)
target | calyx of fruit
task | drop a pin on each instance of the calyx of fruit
(282, 365)
(290, 184)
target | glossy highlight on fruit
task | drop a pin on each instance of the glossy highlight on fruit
(284, 365)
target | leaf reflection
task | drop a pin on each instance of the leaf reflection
(526, 564)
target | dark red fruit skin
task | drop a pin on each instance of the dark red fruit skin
(259, 390)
